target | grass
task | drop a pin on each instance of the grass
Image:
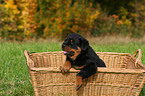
(14, 76)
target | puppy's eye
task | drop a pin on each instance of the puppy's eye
(71, 41)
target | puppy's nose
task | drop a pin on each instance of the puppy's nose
(63, 46)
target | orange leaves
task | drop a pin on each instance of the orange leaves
(10, 5)
(57, 18)
(28, 15)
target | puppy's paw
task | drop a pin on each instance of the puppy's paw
(66, 67)
(78, 82)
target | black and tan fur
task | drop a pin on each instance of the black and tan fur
(81, 57)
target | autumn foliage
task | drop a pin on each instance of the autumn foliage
(27, 19)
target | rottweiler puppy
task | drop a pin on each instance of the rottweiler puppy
(81, 56)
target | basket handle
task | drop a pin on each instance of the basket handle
(30, 62)
(138, 60)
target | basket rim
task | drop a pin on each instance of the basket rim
(100, 70)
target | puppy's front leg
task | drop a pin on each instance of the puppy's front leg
(66, 67)
(78, 82)
(86, 72)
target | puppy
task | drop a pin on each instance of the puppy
(81, 57)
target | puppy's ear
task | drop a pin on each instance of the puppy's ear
(84, 44)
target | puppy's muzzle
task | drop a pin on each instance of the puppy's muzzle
(71, 53)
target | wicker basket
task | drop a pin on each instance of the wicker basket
(124, 75)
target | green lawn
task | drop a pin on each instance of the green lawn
(14, 76)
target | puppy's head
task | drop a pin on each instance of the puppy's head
(74, 45)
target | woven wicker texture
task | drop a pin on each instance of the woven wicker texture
(124, 75)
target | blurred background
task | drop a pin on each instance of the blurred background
(109, 25)
(34, 19)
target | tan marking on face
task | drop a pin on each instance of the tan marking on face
(76, 52)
